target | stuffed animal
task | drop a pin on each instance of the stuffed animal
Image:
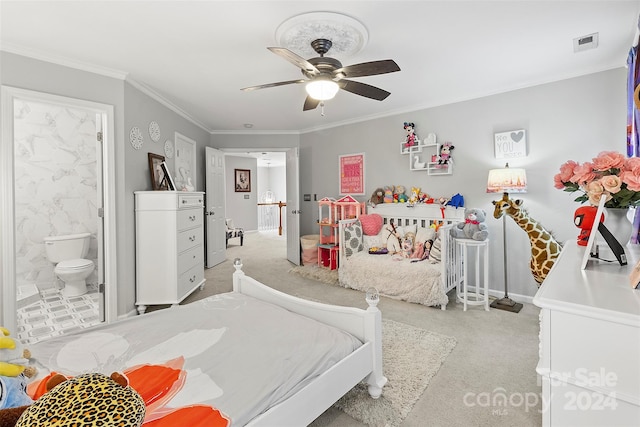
(377, 197)
(388, 194)
(399, 195)
(108, 399)
(13, 392)
(473, 227)
(412, 138)
(457, 201)
(445, 153)
(407, 245)
(415, 195)
(14, 357)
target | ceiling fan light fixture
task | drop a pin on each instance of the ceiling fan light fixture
(322, 89)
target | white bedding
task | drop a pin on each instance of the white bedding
(418, 282)
(242, 355)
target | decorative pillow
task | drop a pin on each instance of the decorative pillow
(435, 255)
(352, 239)
(371, 224)
(422, 235)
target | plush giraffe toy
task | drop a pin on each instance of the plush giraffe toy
(544, 247)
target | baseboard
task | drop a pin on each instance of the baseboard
(516, 297)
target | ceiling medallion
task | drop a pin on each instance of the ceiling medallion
(347, 34)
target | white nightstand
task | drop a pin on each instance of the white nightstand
(473, 253)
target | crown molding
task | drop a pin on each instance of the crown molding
(64, 61)
(162, 100)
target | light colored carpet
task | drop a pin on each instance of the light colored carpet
(411, 357)
(495, 350)
(314, 272)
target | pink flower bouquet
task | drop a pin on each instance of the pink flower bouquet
(610, 175)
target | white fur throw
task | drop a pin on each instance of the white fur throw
(417, 282)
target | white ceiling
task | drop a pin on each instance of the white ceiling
(198, 54)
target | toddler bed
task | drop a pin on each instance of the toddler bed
(259, 356)
(424, 282)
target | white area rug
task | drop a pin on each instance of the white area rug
(314, 272)
(411, 357)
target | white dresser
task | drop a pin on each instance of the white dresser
(169, 246)
(590, 341)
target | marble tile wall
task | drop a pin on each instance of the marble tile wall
(56, 182)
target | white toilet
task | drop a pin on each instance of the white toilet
(68, 253)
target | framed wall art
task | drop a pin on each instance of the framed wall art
(351, 168)
(242, 180)
(511, 144)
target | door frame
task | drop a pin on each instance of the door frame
(233, 150)
(7, 207)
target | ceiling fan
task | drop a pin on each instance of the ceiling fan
(325, 76)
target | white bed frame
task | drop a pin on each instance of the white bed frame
(364, 363)
(423, 215)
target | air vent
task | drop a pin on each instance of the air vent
(587, 42)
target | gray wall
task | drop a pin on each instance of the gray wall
(243, 211)
(140, 110)
(572, 119)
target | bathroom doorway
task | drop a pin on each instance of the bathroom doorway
(55, 186)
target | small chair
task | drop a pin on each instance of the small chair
(233, 231)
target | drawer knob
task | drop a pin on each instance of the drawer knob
(192, 238)
(192, 218)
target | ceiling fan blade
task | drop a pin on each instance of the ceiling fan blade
(296, 60)
(310, 103)
(288, 82)
(368, 68)
(363, 89)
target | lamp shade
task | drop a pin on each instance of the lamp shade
(322, 89)
(507, 180)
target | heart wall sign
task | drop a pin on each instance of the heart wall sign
(511, 144)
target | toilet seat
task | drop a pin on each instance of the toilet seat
(75, 264)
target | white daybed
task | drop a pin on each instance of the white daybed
(272, 392)
(425, 282)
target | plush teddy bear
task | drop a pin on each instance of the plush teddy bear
(377, 197)
(14, 357)
(473, 227)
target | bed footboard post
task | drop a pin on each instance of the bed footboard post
(237, 275)
(376, 379)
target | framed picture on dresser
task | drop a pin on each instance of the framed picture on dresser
(155, 170)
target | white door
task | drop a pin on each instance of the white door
(214, 207)
(293, 207)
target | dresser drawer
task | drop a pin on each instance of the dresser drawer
(189, 218)
(190, 200)
(189, 280)
(190, 258)
(189, 238)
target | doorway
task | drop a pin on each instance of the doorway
(56, 183)
(285, 179)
